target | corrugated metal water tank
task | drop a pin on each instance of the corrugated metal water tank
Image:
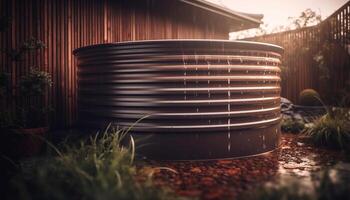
(206, 99)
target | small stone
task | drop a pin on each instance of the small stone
(233, 171)
(291, 165)
(300, 144)
(196, 170)
(207, 181)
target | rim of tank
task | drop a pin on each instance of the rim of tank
(246, 45)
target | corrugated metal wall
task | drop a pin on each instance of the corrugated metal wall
(302, 45)
(64, 25)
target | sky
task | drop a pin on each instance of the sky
(276, 12)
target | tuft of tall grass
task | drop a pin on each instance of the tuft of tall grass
(331, 130)
(97, 168)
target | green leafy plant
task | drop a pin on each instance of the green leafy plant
(292, 125)
(26, 108)
(331, 130)
(29, 45)
(32, 112)
(309, 97)
(35, 83)
(97, 168)
(307, 18)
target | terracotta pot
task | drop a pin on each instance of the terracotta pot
(24, 142)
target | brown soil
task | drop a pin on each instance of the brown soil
(225, 179)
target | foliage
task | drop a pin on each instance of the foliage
(309, 97)
(345, 95)
(333, 187)
(292, 125)
(320, 59)
(98, 168)
(32, 111)
(29, 45)
(35, 82)
(324, 60)
(307, 18)
(293, 189)
(332, 129)
(25, 109)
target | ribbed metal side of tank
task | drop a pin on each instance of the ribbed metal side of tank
(204, 99)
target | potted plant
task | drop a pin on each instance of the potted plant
(33, 87)
(24, 113)
(32, 113)
(26, 126)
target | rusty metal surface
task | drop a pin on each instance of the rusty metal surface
(206, 99)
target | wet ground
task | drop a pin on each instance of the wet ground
(226, 179)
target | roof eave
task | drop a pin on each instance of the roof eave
(247, 20)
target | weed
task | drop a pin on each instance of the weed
(331, 130)
(97, 168)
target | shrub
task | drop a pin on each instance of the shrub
(292, 125)
(331, 130)
(35, 83)
(309, 97)
(33, 112)
(100, 168)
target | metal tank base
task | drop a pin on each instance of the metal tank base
(207, 146)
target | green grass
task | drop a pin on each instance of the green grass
(97, 168)
(331, 130)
